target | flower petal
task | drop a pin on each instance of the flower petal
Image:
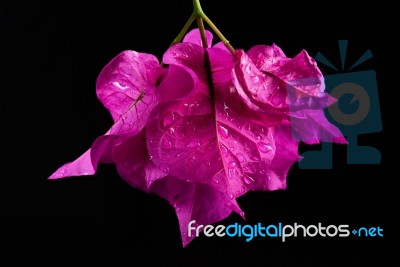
(193, 201)
(194, 37)
(129, 77)
(177, 83)
(136, 168)
(294, 88)
(187, 55)
(81, 166)
(311, 127)
(126, 86)
(274, 177)
(261, 91)
(267, 57)
(131, 166)
(87, 163)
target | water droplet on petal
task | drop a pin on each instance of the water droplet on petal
(177, 209)
(231, 173)
(120, 86)
(232, 164)
(232, 149)
(247, 179)
(240, 157)
(223, 131)
(192, 159)
(166, 143)
(230, 195)
(193, 144)
(164, 168)
(255, 158)
(253, 90)
(180, 154)
(217, 181)
(257, 137)
(262, 171)
(150, 157)
(224, 150)
(248, 68)
(263, 147)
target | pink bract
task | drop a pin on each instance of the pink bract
(201, 145)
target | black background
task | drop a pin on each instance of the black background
(50, 57)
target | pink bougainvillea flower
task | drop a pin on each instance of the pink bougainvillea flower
(209, 127)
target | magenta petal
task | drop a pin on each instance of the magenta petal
(274, 177)
(129, 77)
(266, 57)
(311, 127)
(260, 88)
(303, 74)
(281, 84)
(263, 93)
(293, 88)
(126, 86)
(137, 169)
(203, 204)
(193, 201)
(177, 144)
(194, 37)
(180, 80)
(189, 56)
(131, 166)
(81, 166)
(87, 163)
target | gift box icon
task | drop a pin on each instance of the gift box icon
(356, 112)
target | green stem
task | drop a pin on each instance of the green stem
(203, 36)
(218, 33)
(207, 64)
(199, 13)
(197, 7)
(200, 16)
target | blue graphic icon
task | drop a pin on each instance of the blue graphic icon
(356, 112)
